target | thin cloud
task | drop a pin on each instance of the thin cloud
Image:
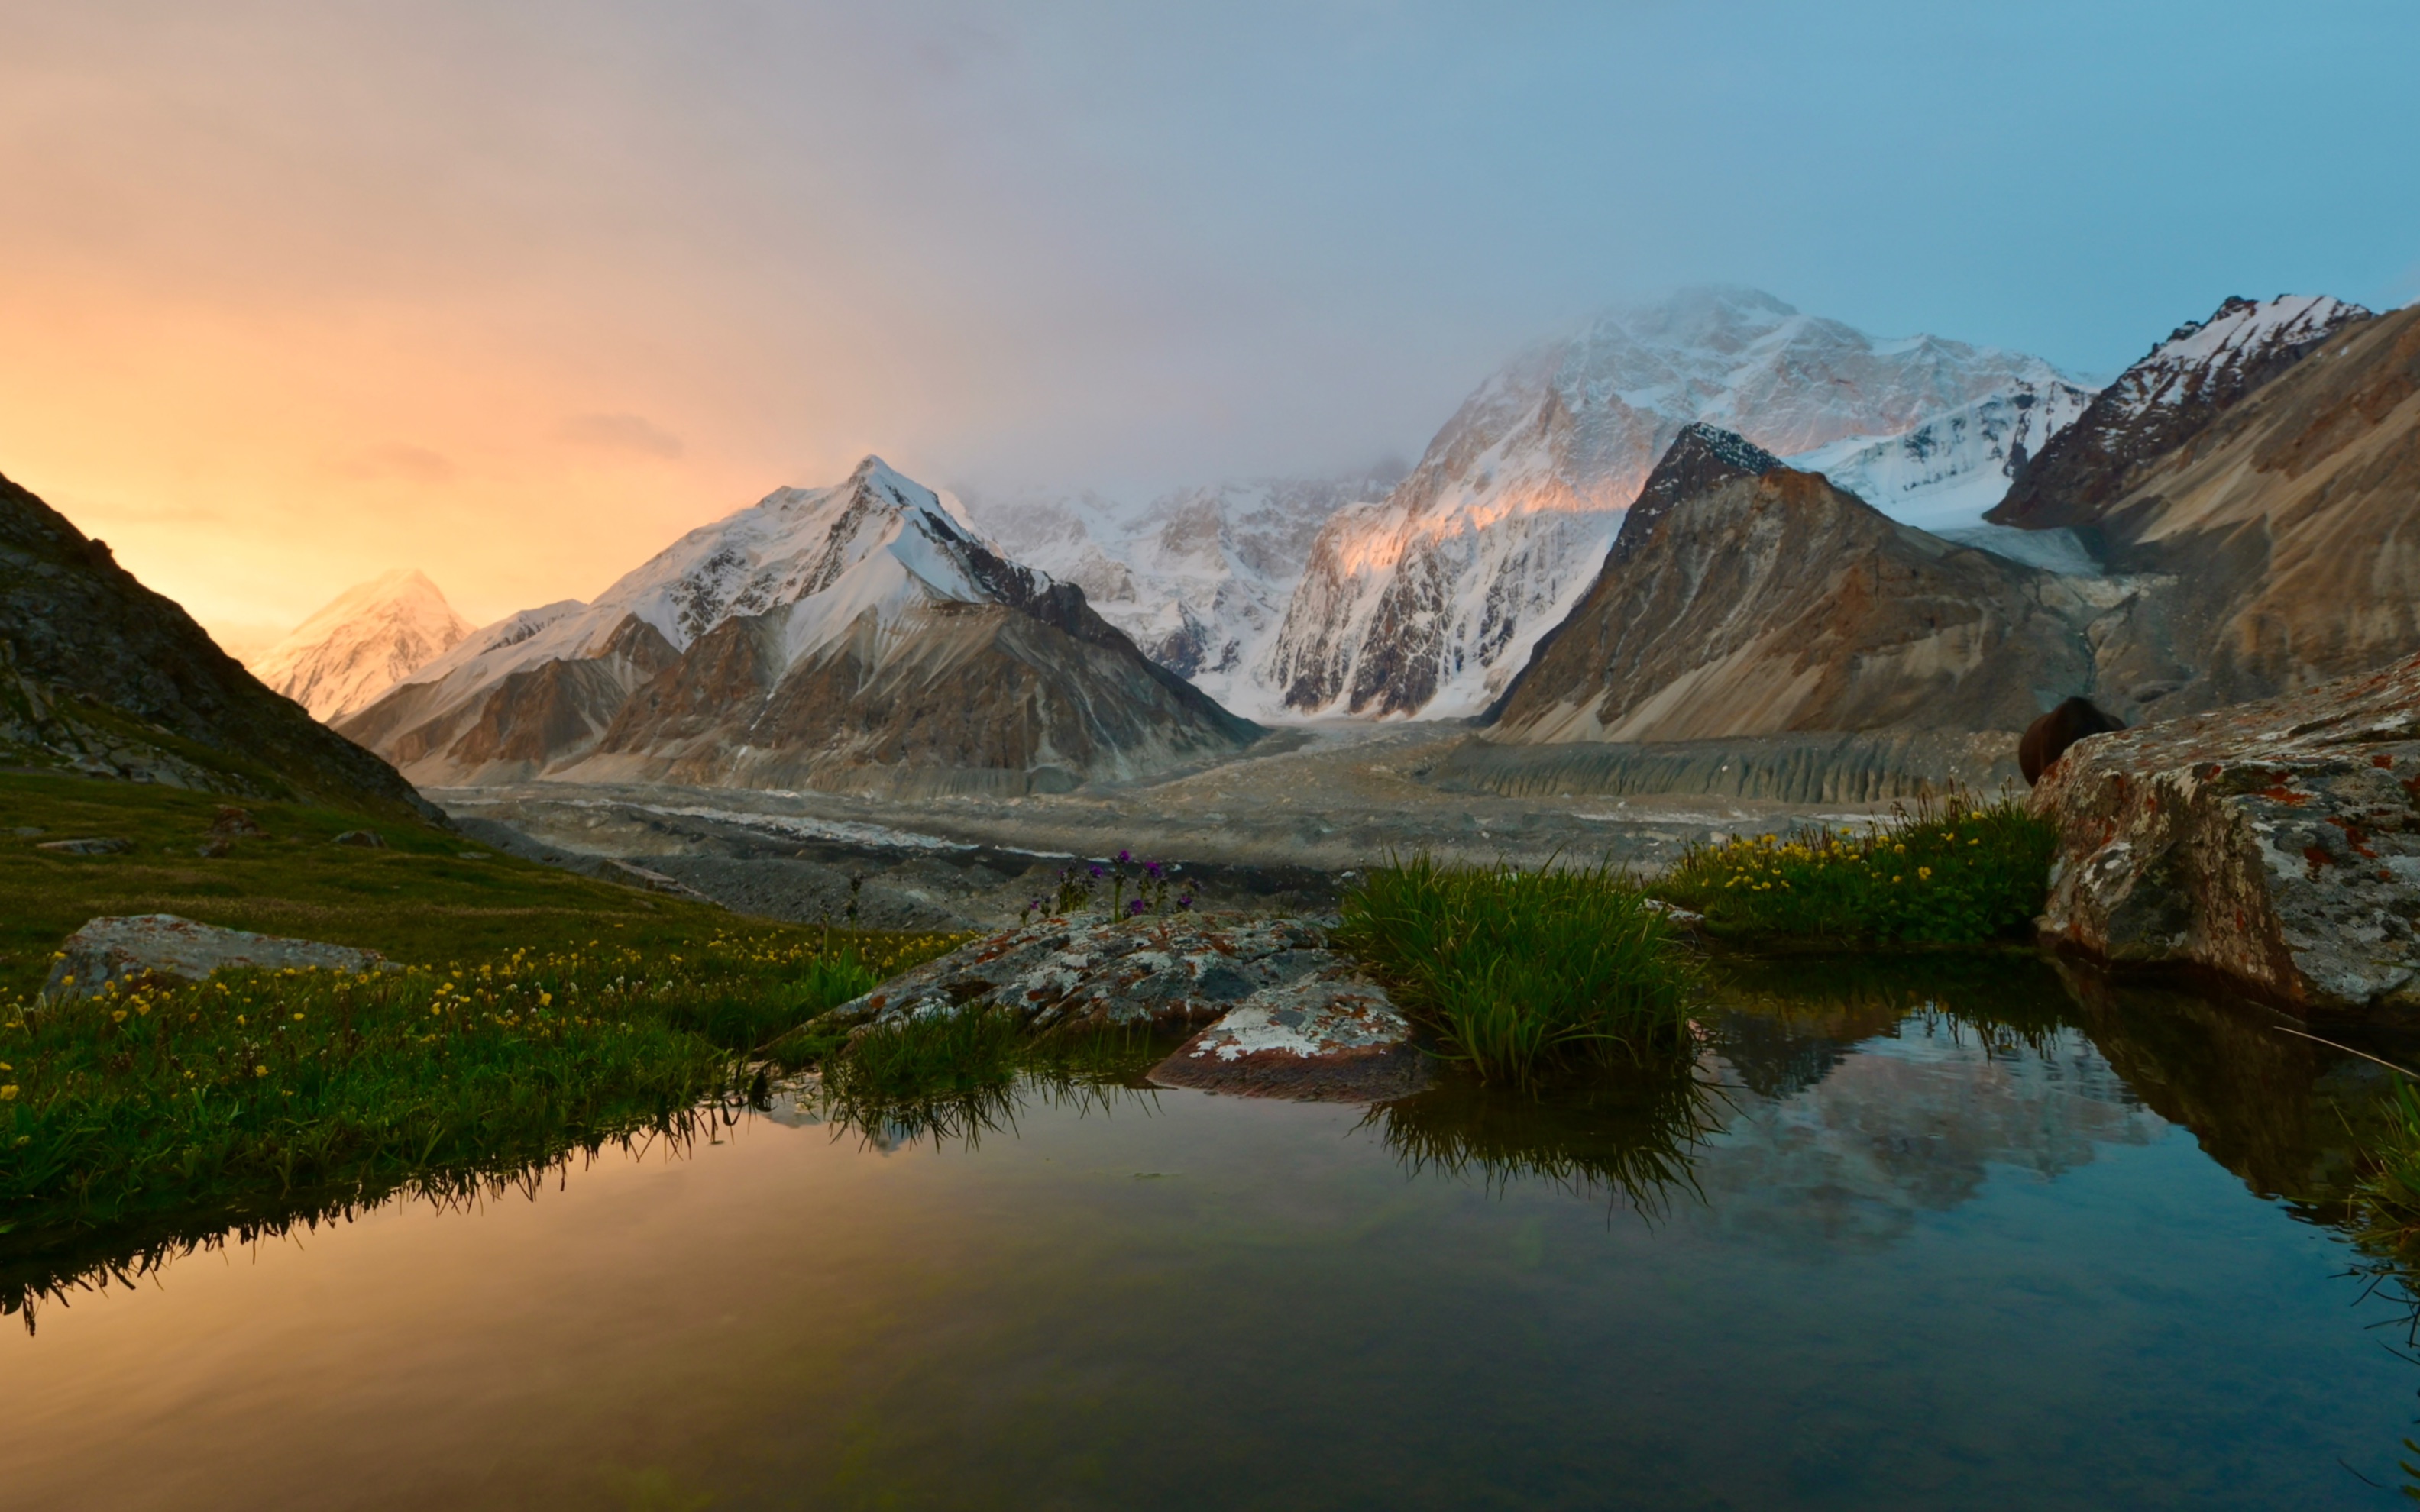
(627, 433)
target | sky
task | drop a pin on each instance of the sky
(291, 294)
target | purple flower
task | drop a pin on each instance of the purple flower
(1151, 869)
(1134, 907)
(1097, 873)
(1124, 857)
(1185, 899)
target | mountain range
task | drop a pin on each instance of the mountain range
(2243, 497)
(859, 637)
(1427, 602)
(1712, 517)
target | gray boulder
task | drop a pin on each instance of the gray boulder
(133, 948)
(1334, 1038)
(2275, 843)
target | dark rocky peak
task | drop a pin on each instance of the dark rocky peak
(1700, 460)
(2203, 369)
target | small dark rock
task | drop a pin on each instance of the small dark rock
(233, 822)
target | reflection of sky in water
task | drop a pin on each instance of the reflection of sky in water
(1912, 1274)
(1909, 1123)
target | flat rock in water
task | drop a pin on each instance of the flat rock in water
(1287, 1015)
(1324, 1040)
(130, 948)
(2277, 844)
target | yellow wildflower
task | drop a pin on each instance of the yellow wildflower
(260, 1071)
(118, 1017)
(8, 1093)
(1924, 873)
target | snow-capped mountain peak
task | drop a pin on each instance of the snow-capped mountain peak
(2179, 388)
(2214, 353)
(362, 642)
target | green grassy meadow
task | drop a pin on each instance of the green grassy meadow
(540, 1012)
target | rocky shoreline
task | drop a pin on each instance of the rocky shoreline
(1283, 1014)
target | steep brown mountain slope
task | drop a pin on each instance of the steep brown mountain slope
(2277, 547)
(1775, 603)
(101, 674)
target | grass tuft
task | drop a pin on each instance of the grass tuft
(1520, 973)
(1952, 872)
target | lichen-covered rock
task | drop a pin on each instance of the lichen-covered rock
(120, 950)
(2277, 844)
(1163, 973)
(1287, 1017)
(1330, 1039)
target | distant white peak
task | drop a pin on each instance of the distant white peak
(362, 642)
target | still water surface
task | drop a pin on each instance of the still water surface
(1945, 1236)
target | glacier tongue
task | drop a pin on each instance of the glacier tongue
(1946, 473)
(1429, 602)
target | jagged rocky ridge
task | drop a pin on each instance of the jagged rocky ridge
(99, 674)
(859, 637)
(362, 642)
(1429, 601)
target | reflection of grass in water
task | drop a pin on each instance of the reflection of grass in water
(96, 1260)
(951, 1079)
(1628, 1130)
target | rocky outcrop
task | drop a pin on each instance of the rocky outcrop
(1774, 604)
(120, 952)
(2276, 844)
(861, 638)
(1285, 1015)
(99, 674)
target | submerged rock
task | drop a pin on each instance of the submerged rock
(2277, 844)
(1287, 1017)
(130, 948)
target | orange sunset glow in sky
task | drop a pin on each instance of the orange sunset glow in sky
(515, 294)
